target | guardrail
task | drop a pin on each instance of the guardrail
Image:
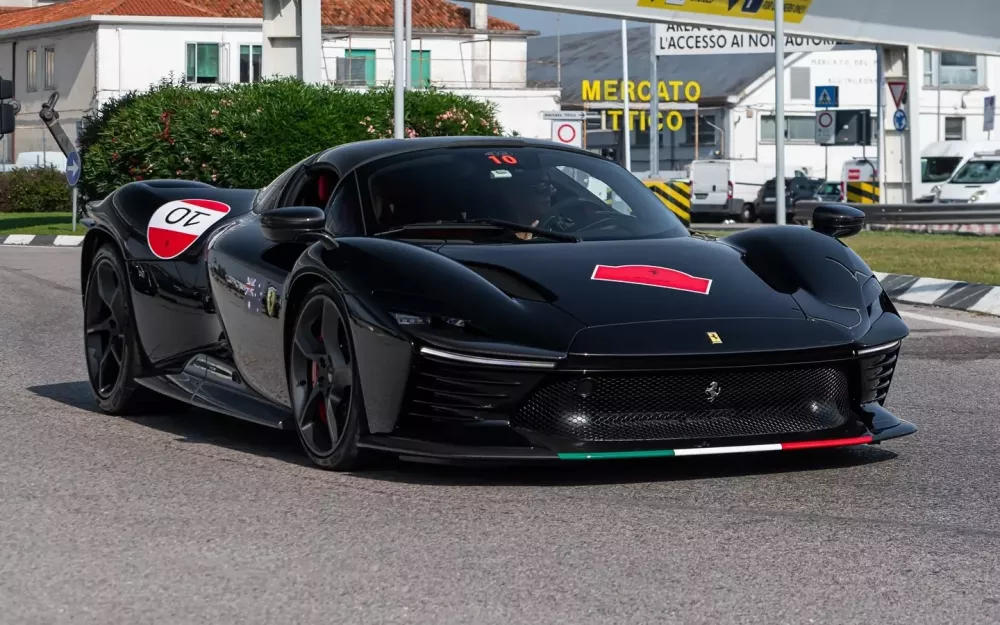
(914, 214)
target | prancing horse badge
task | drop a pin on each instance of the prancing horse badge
(714, 337)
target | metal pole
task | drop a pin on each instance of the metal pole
(654, 106)
(779, 112)
(559, 56)
(399, 67)
(74, 208)
(628, 135)
(408, 77)
(880, 123)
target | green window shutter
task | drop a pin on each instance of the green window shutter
(368, 58)
(192, 67)
(420, 68)
(208, 62)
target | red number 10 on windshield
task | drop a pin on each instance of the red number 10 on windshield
(506, 159)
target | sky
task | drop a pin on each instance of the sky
(547, 22)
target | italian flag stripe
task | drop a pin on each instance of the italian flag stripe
(712, 451)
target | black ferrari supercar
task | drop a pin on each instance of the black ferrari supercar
(484, 299)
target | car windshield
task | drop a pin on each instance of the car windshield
(938, 168)
(546, 189)
(978, 172)
(830, 188)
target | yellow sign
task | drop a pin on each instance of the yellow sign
(671, 120)
(795, 10)
(614, 91)
(714, 337)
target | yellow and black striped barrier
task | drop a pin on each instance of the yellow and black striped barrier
(862, 192)
(676, 195)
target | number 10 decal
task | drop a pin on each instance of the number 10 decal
(175, 226)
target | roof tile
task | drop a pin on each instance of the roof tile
(427, 14)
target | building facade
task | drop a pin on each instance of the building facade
(91, 50)
(736, 106)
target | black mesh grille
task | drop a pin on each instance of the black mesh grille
(876, 372)
(668, 406)
(444, 390)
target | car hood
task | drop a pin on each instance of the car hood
(617, 282)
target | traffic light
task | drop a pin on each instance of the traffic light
(7, 109)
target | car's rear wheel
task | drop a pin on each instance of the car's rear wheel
(323, 382)
(110, 345)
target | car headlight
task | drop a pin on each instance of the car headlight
(408, 319)
(978, 195)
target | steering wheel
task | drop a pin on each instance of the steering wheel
(582, 201)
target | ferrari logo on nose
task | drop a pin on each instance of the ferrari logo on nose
(713, 391)
(714, 337)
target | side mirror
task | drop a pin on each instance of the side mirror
(837, 220)
(291, 222)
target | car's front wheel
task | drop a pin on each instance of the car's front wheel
(323, 382)
(112, 350)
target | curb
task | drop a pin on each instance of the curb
(966, 296)
(42, 240)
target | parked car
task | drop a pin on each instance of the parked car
(796, 189)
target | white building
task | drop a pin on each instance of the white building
(92, 50)
(736, 115)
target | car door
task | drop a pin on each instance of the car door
(256, 269)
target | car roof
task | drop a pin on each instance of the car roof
(351, 155)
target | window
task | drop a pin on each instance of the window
(31, 67)
(978, 172)
(800, 129)
(202, 62)
(528, 185)
(420, 68)
(954, 70)
(344, 213)
(250, 63)
(928, 69)
(50, 68)
(356, 68)
(800, 82)
(706, 133)
(938, 168)
(954, 128)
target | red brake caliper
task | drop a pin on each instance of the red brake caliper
(321, 409)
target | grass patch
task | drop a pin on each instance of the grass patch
(39, 223)
(947, 256)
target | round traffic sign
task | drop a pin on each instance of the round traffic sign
(899, 120)
(825, 120)
(566, 133)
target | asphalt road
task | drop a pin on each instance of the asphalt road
(194, 518)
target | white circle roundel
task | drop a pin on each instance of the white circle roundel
(175, 226)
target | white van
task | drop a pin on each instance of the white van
(941, 159)
(978, 180)
(726, 189)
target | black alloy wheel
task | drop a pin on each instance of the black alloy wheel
(109, 335)
(323, 382)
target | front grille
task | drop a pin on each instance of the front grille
(876, 376)
(665, 406)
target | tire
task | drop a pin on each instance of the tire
(747, 214)
(111, 349)
(324, 384)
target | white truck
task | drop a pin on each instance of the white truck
(725, 189)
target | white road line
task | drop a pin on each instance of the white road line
(950, 322)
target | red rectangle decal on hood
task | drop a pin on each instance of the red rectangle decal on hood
(648, 275)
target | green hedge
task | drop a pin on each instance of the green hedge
(35, 190)
(243, 135)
